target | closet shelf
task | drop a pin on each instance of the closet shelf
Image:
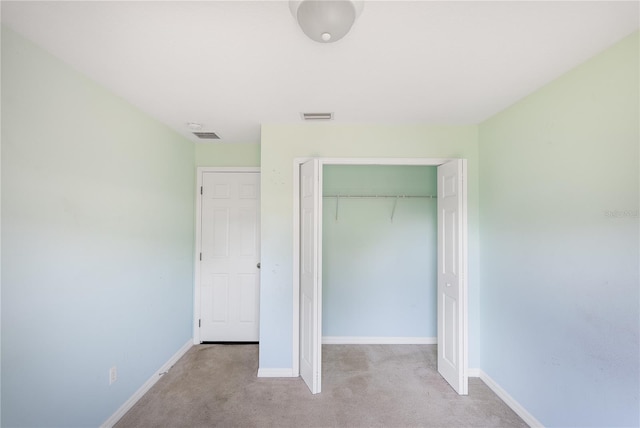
(395, 203)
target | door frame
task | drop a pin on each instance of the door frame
(198, 238)
(296, 241)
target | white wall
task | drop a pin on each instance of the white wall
(559, 245)
(227, 155)
(97, 243)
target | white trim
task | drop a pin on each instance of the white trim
(509, 400)
(196, 261)
(473, 372)
(370, 340)
(386, 161)
(318, 268)
(464, 280)
(113, 419)
(296, 232)
(202, 169)
(197, 241)
(276, 373)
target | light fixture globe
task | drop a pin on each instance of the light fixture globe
(325, 21)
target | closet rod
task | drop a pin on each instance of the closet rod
(378, 196)
(395, 197)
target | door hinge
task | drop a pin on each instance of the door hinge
(201, 190)
(200, 256)
(199, 323)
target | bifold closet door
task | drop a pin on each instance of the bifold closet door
(452, 299)
(310, 274)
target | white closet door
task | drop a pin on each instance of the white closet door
(452, 298)
(310, 275)
(229, 276)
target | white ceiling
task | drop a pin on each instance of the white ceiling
(236, 64)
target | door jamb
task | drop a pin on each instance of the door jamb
(198, 241)
(295, 363)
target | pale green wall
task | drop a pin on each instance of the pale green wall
(97, 243)
(280, 145)
(559, 245)
(379, 273)
(227, 155)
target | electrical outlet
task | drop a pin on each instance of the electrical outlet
(113, 374)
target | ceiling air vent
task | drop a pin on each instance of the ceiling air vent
(317, 116)
(207, 135)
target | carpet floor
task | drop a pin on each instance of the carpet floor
(362, 386)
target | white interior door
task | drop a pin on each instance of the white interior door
(452, 298)
(230, 253)
(310, 274)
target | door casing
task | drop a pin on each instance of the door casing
(296, 242)
(198, 240)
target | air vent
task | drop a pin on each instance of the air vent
(317, 116)
(207, 135)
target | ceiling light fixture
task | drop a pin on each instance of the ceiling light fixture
(326, 21)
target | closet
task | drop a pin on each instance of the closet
(379, 232)
(367, 269)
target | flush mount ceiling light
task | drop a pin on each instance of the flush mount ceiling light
(326, 21)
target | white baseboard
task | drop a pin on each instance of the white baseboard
(473, 372)
(508, 399)
(275, 373)
(146, 386)
(368, 340)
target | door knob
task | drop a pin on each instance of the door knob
(258, 265)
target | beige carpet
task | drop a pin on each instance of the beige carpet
(363, 385)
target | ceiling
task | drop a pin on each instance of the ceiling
(233, 65)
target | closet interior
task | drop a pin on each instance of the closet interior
(379, 235)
